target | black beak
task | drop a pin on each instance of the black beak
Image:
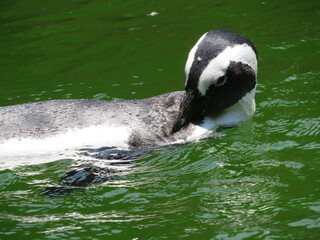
(191, 109)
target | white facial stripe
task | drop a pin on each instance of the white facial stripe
(191, 57)
(218, 66)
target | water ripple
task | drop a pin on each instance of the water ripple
(305, 127)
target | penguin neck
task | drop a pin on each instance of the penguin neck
(242, 111)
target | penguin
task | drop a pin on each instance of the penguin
(220, 82)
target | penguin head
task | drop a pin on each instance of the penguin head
(221, 69)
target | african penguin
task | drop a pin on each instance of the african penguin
(221, 73)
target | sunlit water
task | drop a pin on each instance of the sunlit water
(256, 181)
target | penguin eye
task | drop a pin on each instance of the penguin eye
(221, 81)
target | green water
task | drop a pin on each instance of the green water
(260, 180)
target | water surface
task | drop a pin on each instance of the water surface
(258, 181)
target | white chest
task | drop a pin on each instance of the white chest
(242, 111)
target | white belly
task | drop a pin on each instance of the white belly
(26, 151)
